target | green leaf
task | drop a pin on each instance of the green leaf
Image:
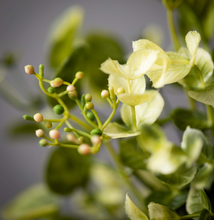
(35, 202)
(197, 201)
(204, 177)
(192, 144)
(152, 137)
(205, 215)
(205, 94)
(208, 21)
(74, 62)
(131, 155)
(183, 118)
(101, 47)
(63, 34)
(180, 178)
(133, 212)
(67, 170)
(160, 212)
(178, 201)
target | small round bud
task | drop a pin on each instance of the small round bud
(71, 138)
(70, 88)
(104, 94)
(96, 140)
(57, 82)
(96, 131)
(90, 116)
(43, 143)
(48, 124)
(72, 95)
(29, 69)
(120, 90)
(38, 117)
(58, 109)
(110, 89)
(29, 118)
(84, 149)
(81, 140)
(51, 90)
(39, 133)
(54, 134)
(89, 105)
(79, 75)
(88, 97)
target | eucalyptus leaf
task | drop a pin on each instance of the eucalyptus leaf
(160, 212)
(180, 178)
(133, 212)
(63, 34)
(67, 170)
(183, 118)
(205, 94)
(192, 144)
(204, 177)
(36, 202)
(131, 155)
(197, 201)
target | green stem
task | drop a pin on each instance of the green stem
(190, 101)
(134, 118)
(172, 31)
(97, 118)
(123, 174)
(80, 122)
(65, 145)
(111, 115)
(82, 133)
(85, 116)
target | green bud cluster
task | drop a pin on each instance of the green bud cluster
(51, 90)
(96, 131)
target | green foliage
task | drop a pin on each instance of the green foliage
(183, 118)
(66, 171)
(131, 155)
(35, 202)
(197, 201)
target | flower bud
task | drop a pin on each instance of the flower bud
(72, 95)
(111, 91)
(71, 138)
(70, 88)
(84, 149)
(88, 97)
(81, 140)
(120, 90)
(51, 90)
(29, 69)
(89, 105)
(82, 101)
(104, 94)
(29, 118)
(57, 82)
(43, 143)
(79, 75)
(38, 117)
(58, 109)
(41, 70)
(48, 124)
(54, 134)
(90, 116)
(96, 140)
(39, 133)
(96, 131)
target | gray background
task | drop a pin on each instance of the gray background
(24, 26)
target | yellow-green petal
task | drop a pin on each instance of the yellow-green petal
(112, 67)
(115, 130)
(193, 39)
(136, 99)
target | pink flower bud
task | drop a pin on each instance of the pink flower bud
(39, 133)
(70, 88)
(38, 117)
(29, 69)
(104, 94)
(96, 139)
(84, 149)
(54, 134)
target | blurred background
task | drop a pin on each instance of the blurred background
(24, 29)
